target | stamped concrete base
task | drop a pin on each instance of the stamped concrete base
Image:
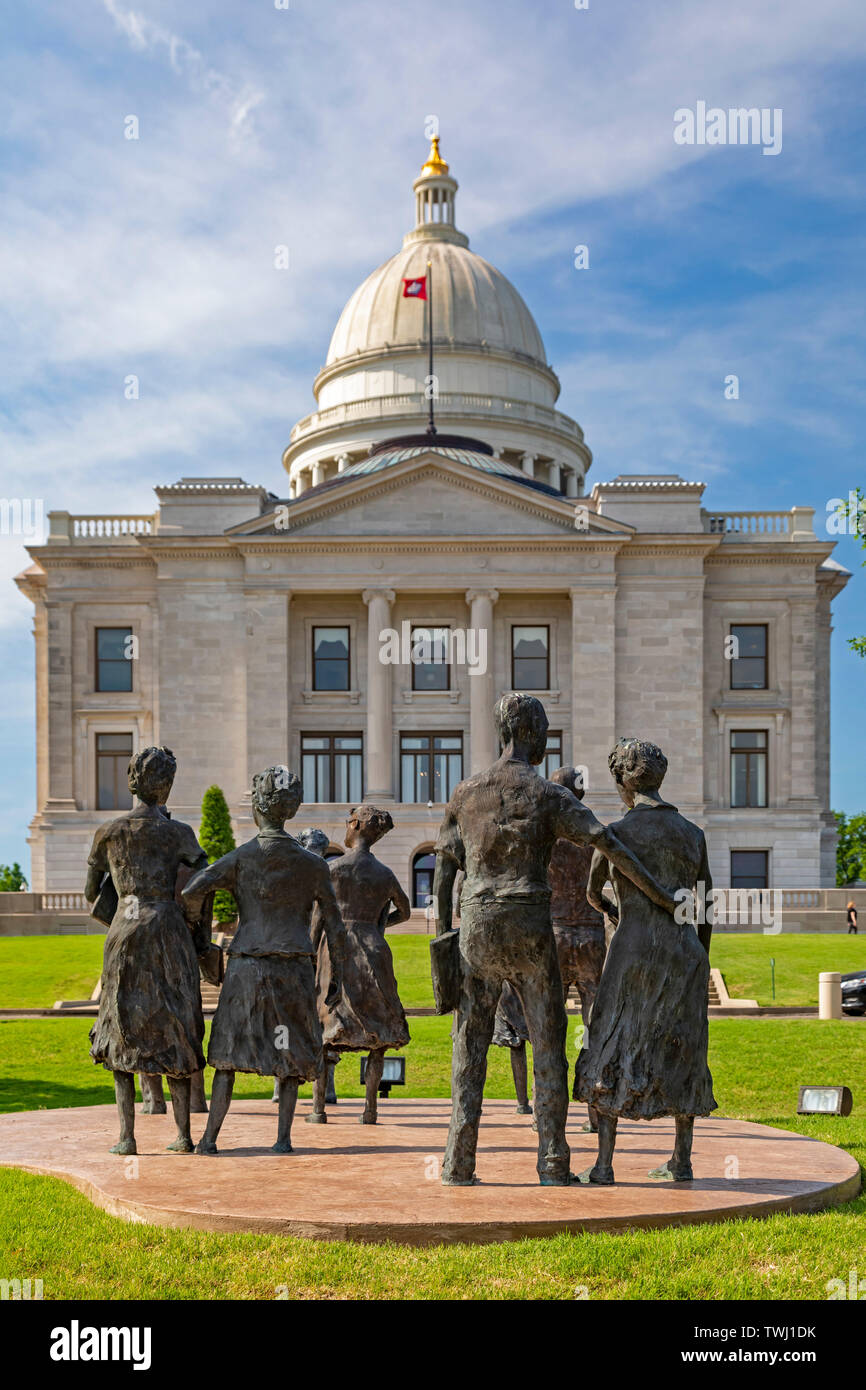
(347, 1181)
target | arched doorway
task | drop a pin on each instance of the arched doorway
(423, 865)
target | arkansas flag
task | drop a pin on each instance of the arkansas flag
(415, 288)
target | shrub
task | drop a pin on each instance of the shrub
(216, 839)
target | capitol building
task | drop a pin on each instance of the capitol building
(243, 627)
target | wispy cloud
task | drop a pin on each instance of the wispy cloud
(187, 62)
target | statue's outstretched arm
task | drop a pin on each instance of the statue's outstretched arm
(598, 876)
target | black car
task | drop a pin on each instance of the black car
(854, 992)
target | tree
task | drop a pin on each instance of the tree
(12, 879)
(850, 849)
(854, 513)
(216, 839)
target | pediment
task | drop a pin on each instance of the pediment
(429, 496)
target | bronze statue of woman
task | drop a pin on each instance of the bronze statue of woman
(150, 1017)
(266, 1020)
(369, 1016)
(646, 1051)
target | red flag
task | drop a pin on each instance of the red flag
(416, 288)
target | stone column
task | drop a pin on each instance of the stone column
(593, 682)
(527, 463)
(379, 783)
(483, 744)
(268, 692)
(60, 727)
(342, 463)
(318, 473)
(571, 483)
(554, 474)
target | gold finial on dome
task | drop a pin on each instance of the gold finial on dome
(435, 163)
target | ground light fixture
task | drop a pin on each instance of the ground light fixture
(825, 1100)
(393, 1074)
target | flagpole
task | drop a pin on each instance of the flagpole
(431, 426)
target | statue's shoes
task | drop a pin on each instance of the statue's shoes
(124, 1146)
(667, 1173)
(181, 1146)
(600, 1177)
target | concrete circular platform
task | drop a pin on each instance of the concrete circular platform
(346, 1181)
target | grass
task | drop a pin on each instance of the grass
(35, 971)
(744, 960)
(49, 1231)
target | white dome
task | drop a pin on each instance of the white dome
(492, 380)
(473, 305)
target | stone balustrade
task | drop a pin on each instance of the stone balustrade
(793, 525)
(384, 406)
(64, 528)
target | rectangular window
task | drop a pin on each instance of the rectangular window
(330, 658)
(113, 752)
(749, 868)
(749, 657)
(332, 766)
(433, 646)
(113, 658)
(748, 767)
(552, 753)
(431, 765)
(530, 658)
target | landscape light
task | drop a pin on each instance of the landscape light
(393, 1074)
(825, 1100)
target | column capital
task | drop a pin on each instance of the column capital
(473, 594)
(387, 594)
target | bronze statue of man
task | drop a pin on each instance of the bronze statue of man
(150, 1017)
(577, 928)
(646, 1054)
(501, 826)
(266, 1019)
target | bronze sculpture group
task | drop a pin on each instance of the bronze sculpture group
(310, 973)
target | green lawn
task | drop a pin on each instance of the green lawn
(49, 1231)
(35, 971)
(745, 963)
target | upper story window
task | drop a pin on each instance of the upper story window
(530, 658)
(330, 658)
(113, 658)
(113, 752)
(749, 659)
(552, 753)
(748, 767)
(431, 669)
(431, 765)
(332, 766)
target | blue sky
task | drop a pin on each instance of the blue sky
(305, 127)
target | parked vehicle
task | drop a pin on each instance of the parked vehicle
(854, 992)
